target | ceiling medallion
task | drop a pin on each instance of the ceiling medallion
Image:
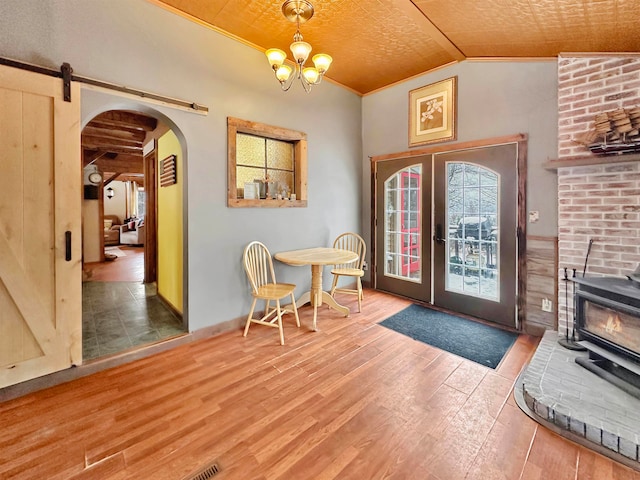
(298, 11)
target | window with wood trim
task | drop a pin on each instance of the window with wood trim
(271, 162)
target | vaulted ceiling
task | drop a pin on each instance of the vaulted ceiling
(376, 43)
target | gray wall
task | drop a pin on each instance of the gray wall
(137, 44)
(494, 99)
(134, 43)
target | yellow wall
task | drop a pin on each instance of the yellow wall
(170, 225)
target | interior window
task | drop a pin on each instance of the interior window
(266, 165)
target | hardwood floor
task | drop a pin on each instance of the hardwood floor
(127, 267)
(351, 401)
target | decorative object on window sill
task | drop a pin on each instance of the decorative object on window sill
(616, 131)
(298, 11)
(110, 193)
(168, 171)
(251, 191)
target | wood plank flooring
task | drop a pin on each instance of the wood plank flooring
(128, 267)
(352, 401)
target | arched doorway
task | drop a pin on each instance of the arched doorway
(132, 283)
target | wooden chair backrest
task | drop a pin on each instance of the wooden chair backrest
(258, 265)
(354, 243)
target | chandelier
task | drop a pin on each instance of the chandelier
(298, 11)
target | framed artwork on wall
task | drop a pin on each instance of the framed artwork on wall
(432, 113)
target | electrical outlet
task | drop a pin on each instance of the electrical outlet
(365, 266)
(547, 305)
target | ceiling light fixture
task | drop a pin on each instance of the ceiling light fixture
(298, 11)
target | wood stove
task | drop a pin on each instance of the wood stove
(607, 313)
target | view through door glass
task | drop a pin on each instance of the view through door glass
(403, 195)
(475, 207)
(472, 231)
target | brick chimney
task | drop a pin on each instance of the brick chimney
(598, 196)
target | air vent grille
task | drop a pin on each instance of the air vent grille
(206, 473)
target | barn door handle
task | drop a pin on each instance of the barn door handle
(438, 236)
(67, 245)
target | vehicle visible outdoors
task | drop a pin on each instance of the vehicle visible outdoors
(472, 239)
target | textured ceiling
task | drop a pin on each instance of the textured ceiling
(375, 43)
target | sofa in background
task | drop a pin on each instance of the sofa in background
(112, 226)
(132, 233)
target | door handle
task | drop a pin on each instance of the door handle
(438, 236)
(67, 245)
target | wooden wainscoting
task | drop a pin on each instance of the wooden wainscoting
(542, 283)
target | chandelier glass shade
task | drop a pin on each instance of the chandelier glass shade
(298, 11)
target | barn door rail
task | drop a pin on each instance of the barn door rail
(67, 76)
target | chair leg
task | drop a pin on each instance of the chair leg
(280, 322)
(246, 328)
(295, 309)
(267, 304)
(359, 295)
(334, 284)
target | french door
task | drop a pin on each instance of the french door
(403, 251)
(446, 230)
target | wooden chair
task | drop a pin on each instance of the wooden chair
(259, 268)
(355, 243)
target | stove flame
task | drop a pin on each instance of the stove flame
(613, 325)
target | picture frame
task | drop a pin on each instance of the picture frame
(432, 113)
(251, 191)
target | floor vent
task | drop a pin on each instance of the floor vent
(206, 473)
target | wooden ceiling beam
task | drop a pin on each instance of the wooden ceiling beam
(135, 151)
(128, 119)
(122, 163)
(103, 143)
(114, 126)
(111, 179)
(90, 156)
(132, 135)
(125, 177)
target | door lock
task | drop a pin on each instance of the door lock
(438, 236)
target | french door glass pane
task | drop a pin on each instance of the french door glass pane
(403, 224)
(472, 231)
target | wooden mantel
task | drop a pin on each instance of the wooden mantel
(591, 160)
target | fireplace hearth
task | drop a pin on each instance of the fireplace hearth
(608, 324)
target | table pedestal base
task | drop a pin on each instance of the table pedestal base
(324, 298)
(317, 258)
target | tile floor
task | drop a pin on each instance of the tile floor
(119, 312)
(117, 316)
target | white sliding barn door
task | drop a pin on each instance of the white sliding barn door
(40, 200)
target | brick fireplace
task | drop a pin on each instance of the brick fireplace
(598, 205)
(598, 196)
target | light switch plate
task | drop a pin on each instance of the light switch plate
(534, 216)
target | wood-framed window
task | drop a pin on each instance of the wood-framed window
(262, 152)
